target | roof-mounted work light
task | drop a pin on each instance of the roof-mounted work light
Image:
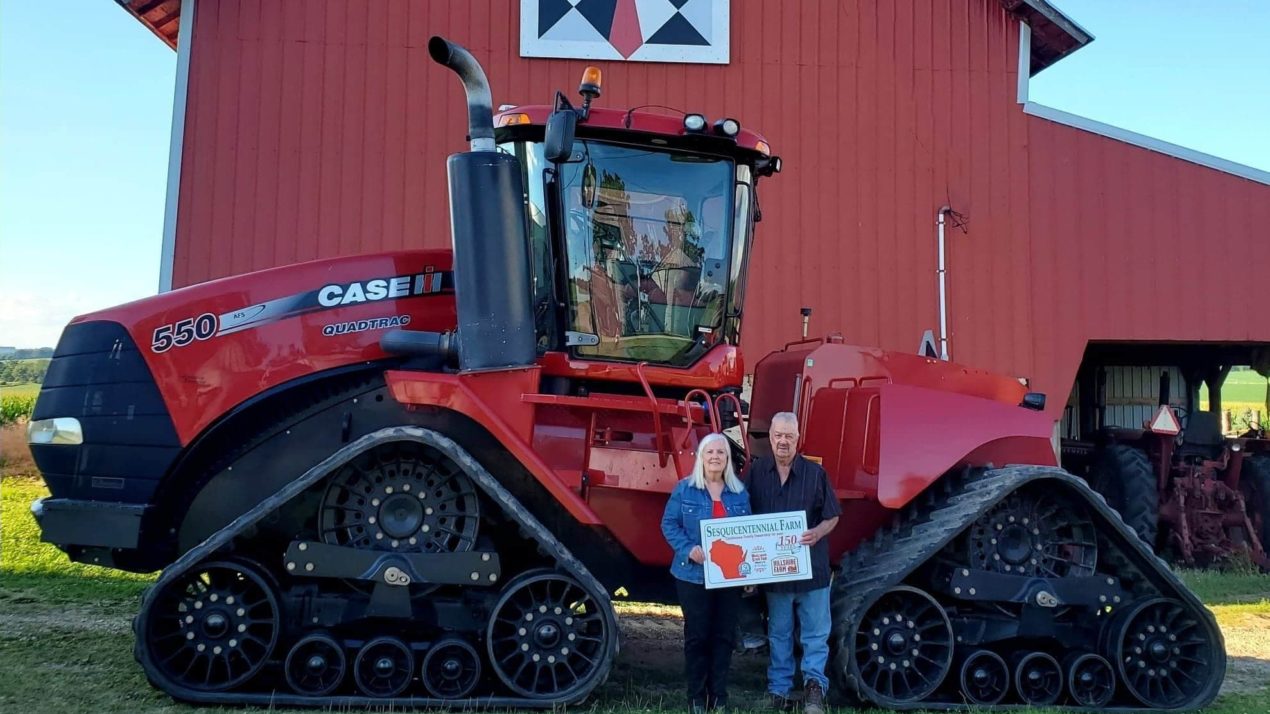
(694, 122)
(727, 127)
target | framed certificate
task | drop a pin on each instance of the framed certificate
(752, 550)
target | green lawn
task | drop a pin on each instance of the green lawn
(66, 643)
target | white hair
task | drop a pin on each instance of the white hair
(790, 417)
(698, 476)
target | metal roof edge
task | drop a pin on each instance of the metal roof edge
(1147, 142)
(1042, 16)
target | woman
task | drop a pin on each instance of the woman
(712, 490)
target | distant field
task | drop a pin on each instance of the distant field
(1242, 390)
(30, 389)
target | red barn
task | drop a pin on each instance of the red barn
(309, 129)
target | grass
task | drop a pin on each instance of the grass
(66, 643)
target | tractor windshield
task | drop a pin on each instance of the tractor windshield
(647, 243)
(654, 249)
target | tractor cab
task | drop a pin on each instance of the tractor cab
(639, 227)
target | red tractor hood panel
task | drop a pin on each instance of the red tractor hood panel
(214, 345)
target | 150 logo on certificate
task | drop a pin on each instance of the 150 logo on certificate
(752, 550)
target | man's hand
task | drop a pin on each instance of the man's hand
(697, 555)
(809, 537)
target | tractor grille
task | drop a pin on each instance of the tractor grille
(98, 376)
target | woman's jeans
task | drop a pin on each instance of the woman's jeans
(709, 636)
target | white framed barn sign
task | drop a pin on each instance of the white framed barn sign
(693, 31)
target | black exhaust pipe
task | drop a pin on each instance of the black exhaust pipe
(489, 229)
(480, 103)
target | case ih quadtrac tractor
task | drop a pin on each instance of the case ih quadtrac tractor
(416, 479)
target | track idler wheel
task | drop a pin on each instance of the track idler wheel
(903, 647)
(985, 678)
(1038, 679)
(547, 636)
(214, 627)
(1164, 654)
(315, 666)
(451, 669)
(1090, 680)
(384, 667)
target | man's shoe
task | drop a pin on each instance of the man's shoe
(814, 702)
(781, 703)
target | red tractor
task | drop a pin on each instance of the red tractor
(1185, 488)
(418, 478)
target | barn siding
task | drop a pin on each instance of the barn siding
(318, 128)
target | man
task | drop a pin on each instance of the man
(788, 482)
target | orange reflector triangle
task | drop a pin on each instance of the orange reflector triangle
(1164, 422)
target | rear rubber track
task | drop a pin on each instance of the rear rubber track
(944, 512)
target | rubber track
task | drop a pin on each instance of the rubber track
(947, 510)
(547, 541)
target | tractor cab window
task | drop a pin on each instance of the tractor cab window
(648, 244)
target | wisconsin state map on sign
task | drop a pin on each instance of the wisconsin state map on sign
(636, 30)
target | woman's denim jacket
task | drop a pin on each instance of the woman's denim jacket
(681, 524)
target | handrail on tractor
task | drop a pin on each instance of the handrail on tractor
(740, 420)
(710, 411)
(662, 456)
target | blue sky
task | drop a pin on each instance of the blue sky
(86, 107)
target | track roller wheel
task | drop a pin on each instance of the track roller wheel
(451, 669)
(384, 667)
(547, 636)
(1038, 679)
(213, 628)
(1165, 655)
(985, 678)
(1090, 680)
(315, 666)
(902, 647)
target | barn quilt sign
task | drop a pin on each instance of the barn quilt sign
(637, 30)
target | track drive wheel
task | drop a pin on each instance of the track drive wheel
(1125, 477)
(902, 647)
(1164, 654)
(214, 627)
(548, 637)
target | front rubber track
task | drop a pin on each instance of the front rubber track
(947, 509)
(222, 538)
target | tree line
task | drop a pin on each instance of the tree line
(23, 371)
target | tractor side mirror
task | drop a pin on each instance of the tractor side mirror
(558, 146)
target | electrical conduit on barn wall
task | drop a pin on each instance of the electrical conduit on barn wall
(185, 39)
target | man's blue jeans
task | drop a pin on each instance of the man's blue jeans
(814, 623)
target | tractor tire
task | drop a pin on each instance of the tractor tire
(1254, 481)
(1125, 477)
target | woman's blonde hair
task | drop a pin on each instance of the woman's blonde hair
(698, 476)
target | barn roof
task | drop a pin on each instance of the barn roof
(1054, 35)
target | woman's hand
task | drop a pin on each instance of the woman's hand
(697, 555)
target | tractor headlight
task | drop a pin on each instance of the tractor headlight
(62, 430)
(694, 122)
